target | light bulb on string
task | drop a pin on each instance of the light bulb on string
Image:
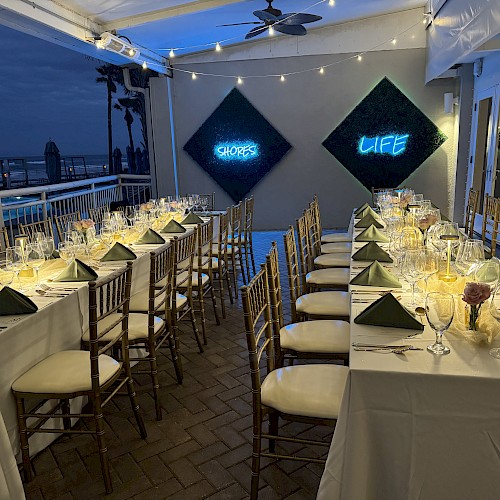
(321, 70)
(393, 41)
(193, 76)
(131, 52)
(282, 78)
(144, 65)
(331, 3)
(360, 57)
(171, 54)
(218, 47)
(271, 31)
(240, 80)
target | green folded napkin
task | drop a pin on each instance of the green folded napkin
(371, 251)
(372, 234)
(361, 208)
(77, 271)
(173, 227)
(367, 221)
(387, 311)
(150, 237)
(365, 211)
(12, 302)
(192, 218)
(118, 252)
(55, 255)
(376, 275)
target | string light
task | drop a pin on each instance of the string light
(193, 76)
(240, 80)
(171, 54)
(144, 65)
(360, 58)
(282, 78)
(218, 48)
(331, 3)
(271, 31)
(393, 41)
(321, 70)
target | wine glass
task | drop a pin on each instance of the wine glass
(428, 264)
(439, 309)
(495, 312)
(412, 272)
(469, 254)
(35, 257)
(6, 272)
(15, 255)
(66, 251)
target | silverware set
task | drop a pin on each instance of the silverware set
(385, 348)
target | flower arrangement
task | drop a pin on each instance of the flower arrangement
(82, 226)
(405, 200)
(474, 295)
(427, 221)
(146, 207)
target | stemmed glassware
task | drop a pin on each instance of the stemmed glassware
(412, 271)
(35, 257)
(439, 309)
(469, 254)
(428, 264)
(67, 251)
(15, 255)
(495, 312)
(6, 272)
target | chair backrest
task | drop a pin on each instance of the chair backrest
(65, 222)
(108, 296)
(275, 296)
(161, 270)
(303, 237)
(97, 214)
(248, 219)
(182, 275)
(235, 223)
(314, 205)
(4, 239)
(42, 226)
(258, 329)
(471, 211)
(491, 219)
(205, 236)
(223, 235)
(292, 264)
(314, 229)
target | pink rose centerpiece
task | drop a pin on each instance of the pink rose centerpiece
(475, 294)
(425, 222)
(405, 200)
(84, 227)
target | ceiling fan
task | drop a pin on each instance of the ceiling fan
(290, 24)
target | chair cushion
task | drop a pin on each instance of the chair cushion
(139, 302)
(320, 336)
(65, 372)
(182, 277)
(324, 304)
(336, 237)
(331, 276)
(181, 301)
(306, 390)
(340, 247)
(333, 260)
(215, 264)
(137, 327)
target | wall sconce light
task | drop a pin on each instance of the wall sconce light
(449, 102)
(120, 45)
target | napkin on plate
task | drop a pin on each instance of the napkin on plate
(367, 221)
(12, 302)
(192, 218)
(361, 208)
(118, 252)
(372, 234)
(387, 311)
(150, 237)
(371, 251)
(376, 275)
(77, 271)
(173, 227)
(365, 211)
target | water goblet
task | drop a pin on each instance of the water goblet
(439, 309)
(35, 258)
(469, 254)
(412, 272)
(66, 251)
(15, 255)
(6, 272)
(428, 264)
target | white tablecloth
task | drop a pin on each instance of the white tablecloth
(417, 425)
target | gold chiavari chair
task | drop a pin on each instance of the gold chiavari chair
(207, 201)
(42, 226)
(97, 214)
(246, 243)
(316, 305)
(65, 222)
(220, 257)
(203, 279)
(4, 239)
(471, 211)
(96, 374)
(333, 277)
(234, 254)
(306, 393)
(491, 219)
(332, 237)
(182, 285)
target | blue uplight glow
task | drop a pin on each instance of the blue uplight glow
(241, 150)
(393, 144)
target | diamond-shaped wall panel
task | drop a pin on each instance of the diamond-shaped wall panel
(236, 145)
(385, 138)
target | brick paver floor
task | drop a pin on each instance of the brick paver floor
(201, 448)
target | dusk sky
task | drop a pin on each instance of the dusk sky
(50, 91)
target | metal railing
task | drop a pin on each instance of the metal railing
(27, 205)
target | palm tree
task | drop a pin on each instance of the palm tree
(110, 74)
(129, 103)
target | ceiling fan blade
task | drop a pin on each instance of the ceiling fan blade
(264, 16)
(298, 18)
(255, 31)
(238, 24)
(294, 29)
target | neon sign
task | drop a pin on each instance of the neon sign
(393, 144)
(236, 150)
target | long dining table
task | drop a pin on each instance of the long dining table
(414, 425)
(28, 339)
